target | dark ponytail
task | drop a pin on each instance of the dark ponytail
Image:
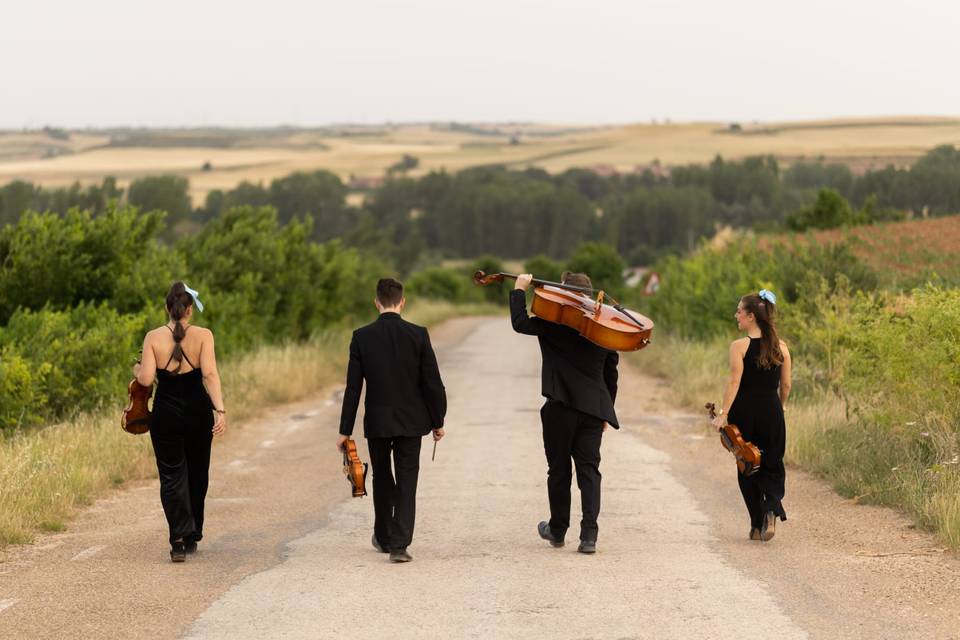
(765, 312)
(178, 301)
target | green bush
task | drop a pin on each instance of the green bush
(266, 282)
(49, 261)
(439, 283)
(604, 266)
(67, 361)
(544, 268)
(21, 401)
(699, 294)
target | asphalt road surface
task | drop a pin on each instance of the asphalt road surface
(288, 555)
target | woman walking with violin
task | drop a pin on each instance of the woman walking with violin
(756, 393)
(187, 412)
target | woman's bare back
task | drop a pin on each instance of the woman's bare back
(163, 343)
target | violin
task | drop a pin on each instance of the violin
(355, 470)
(136, 417)
(746, 453)
(610, 326)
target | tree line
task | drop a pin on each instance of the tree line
(413, 222)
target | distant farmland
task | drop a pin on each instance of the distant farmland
(56, 158)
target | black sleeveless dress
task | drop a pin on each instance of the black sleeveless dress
(181, 432)
(757, 412)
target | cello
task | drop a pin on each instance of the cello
(746, 453)
(355, 470)
(610, 326)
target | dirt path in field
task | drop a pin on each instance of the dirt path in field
(287, 552)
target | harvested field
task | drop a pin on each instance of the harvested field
(262, 155)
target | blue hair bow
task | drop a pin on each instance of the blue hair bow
(196, 297)
(764, 294)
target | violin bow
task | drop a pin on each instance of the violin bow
(481, 279)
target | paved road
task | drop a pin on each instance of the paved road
(287, 551)
(480, 571)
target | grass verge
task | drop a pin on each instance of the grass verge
(47, 474)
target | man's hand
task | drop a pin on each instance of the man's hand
(438, 433)
(341, 439)
(523, 281)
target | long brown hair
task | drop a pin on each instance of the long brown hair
(765, 313)
(178, 301)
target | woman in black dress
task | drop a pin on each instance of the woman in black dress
(187, 412)
(754, 400)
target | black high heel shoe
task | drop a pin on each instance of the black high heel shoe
(769, 527)
(178, 551)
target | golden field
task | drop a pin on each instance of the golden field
(259, 155)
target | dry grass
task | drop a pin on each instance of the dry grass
(865, 142)
(47, 474)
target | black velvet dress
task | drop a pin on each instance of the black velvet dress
(757, 412)
(181, 431)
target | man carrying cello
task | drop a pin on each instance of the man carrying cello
(579, 381)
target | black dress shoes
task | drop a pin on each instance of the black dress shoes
(544, 529)
(177, 552)
(400, 556)
(190, 546)
(587, 546)
(376, 544)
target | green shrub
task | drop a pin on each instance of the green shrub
(267, 282)
(439, 283)
(49, 261)
(75, 359)
(603, 264)
(543, 267)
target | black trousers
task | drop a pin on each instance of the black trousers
(182, 447)
(395, 491)
(568, 433)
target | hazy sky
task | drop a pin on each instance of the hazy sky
(229, 62)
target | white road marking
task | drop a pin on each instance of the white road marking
(47, 547)
(229, 500)
(88, 553)
(6, 604)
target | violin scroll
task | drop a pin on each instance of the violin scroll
(482, 279)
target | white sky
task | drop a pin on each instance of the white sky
(83, 63)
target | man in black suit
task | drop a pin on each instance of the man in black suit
(405, 401)
(579, 380)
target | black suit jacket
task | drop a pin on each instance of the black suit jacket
(405, 395)
(575, 371)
